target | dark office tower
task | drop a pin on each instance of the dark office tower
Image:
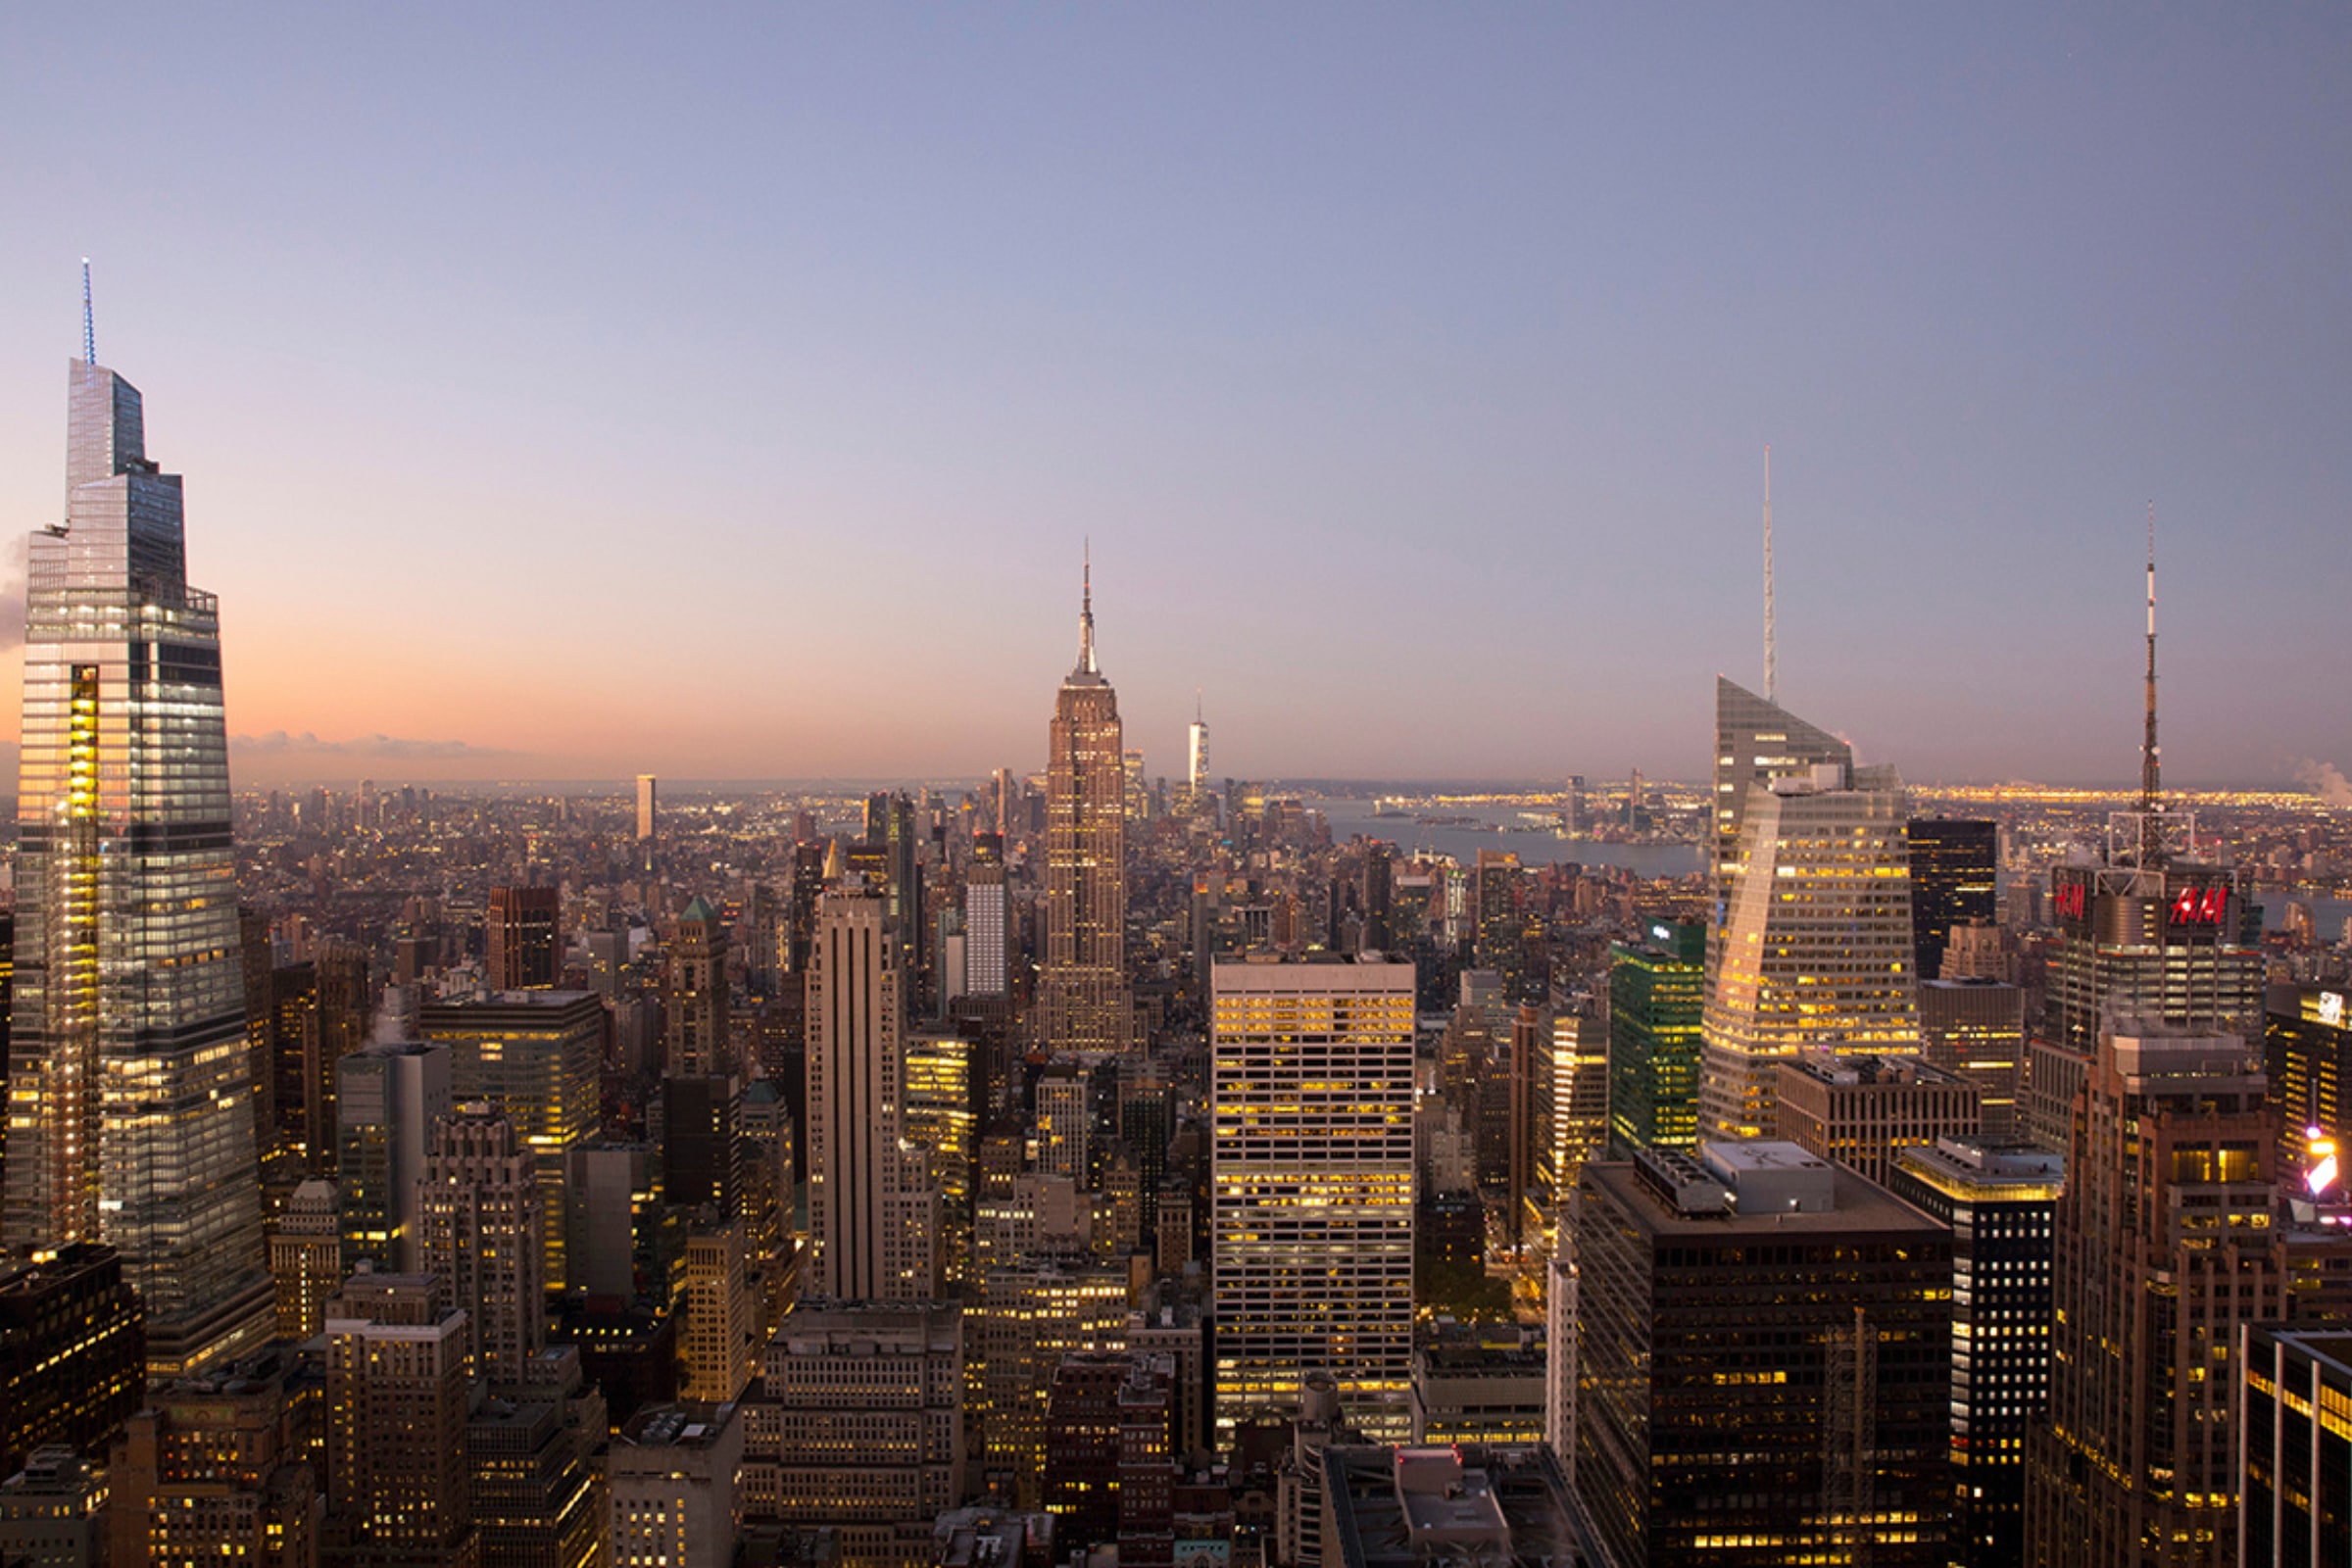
(694, 999)
(73, 1360)
(1756, 743)
(484, 1238)
(1998, 1201)
(396, 1405)
(1500, 939)
(2296, 1383)
(127, 892)
(345, 988)
(256, 964)
(703, 1148)
(2164, 1246)
(1082, 984)
(807, 886)
(8, 969)
(872, 1217)
(1380, 864)
(1657, 997)
(1955, 867)
(292, 1034)
(525, 946)
(1763, 1354)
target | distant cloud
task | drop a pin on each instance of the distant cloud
(2326, 781)
(279, 743)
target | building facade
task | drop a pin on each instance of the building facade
(128, 988)
(1311, 1186)
(1082, 1002)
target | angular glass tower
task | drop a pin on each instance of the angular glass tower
(130, 1097)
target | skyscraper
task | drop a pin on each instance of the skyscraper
(1955, 871)
(524, 945)
(1082, 984)
(1816, 949)
(1195, 773)
(872, 1217)
(130, 1104)
(695, 1005)
(646, 793)
(1756, 743)
(1657, 994)
(484, 1238)
(1311, 1186)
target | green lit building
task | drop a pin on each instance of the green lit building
(1657, 994)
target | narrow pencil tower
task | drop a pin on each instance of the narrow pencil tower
(90, 321)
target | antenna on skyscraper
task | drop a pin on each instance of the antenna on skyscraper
(1772, 668)
(2149, 773)
(1086, 608)
(89, 322)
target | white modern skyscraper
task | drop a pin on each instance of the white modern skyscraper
(1312, 1187)
(873, 1216)
(1197, 771)
(1816, 947)
(131, 1093)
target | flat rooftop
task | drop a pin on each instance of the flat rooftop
(1862, 1206)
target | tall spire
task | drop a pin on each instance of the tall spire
(1772, 666)
(1086, 613)
(2149, 773)
(89, 322)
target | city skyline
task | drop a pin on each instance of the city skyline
(1320, 330)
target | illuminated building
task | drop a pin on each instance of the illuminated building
(1861, 1111)
(392, 1095)
(1763, 1349)
(73, 1357)
(128, 988)
(396, 1405)
(874, 1219)
(214, 1470)
(1082, 981)
(2000, 1203)
(718, 1352)
(1035, 1311)
(2307, 1048)
(939, 1120)
(860, 1425)
(1757, 742)
(481, 1234)
(522, 938)
(1976, 1028)
(52, 1512)
(1063, 1122)
(306, 1258)
(1196, 767)
(1079, 1476)
(1575, 1107)
(533, 1452)
(537, 1055)
(1955, 873)
(1311, 1186)
(674, 1483)
(1816, 947)
(1498, 940)
(1657, 996)
(2163, 1248)
(2296, 1385)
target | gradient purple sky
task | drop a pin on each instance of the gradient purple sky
(569, 394)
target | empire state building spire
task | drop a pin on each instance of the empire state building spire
(1086, 615)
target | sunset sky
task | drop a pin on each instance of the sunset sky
(567, 394)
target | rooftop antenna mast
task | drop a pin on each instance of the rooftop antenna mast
(89, 322)
(1086, 608)
(2149, 773)
(1771, 665)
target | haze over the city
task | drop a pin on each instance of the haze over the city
(732, 395)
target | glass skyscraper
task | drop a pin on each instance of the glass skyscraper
(130, 1092)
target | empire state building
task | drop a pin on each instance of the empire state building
(129, 1095)
(1082, 986)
